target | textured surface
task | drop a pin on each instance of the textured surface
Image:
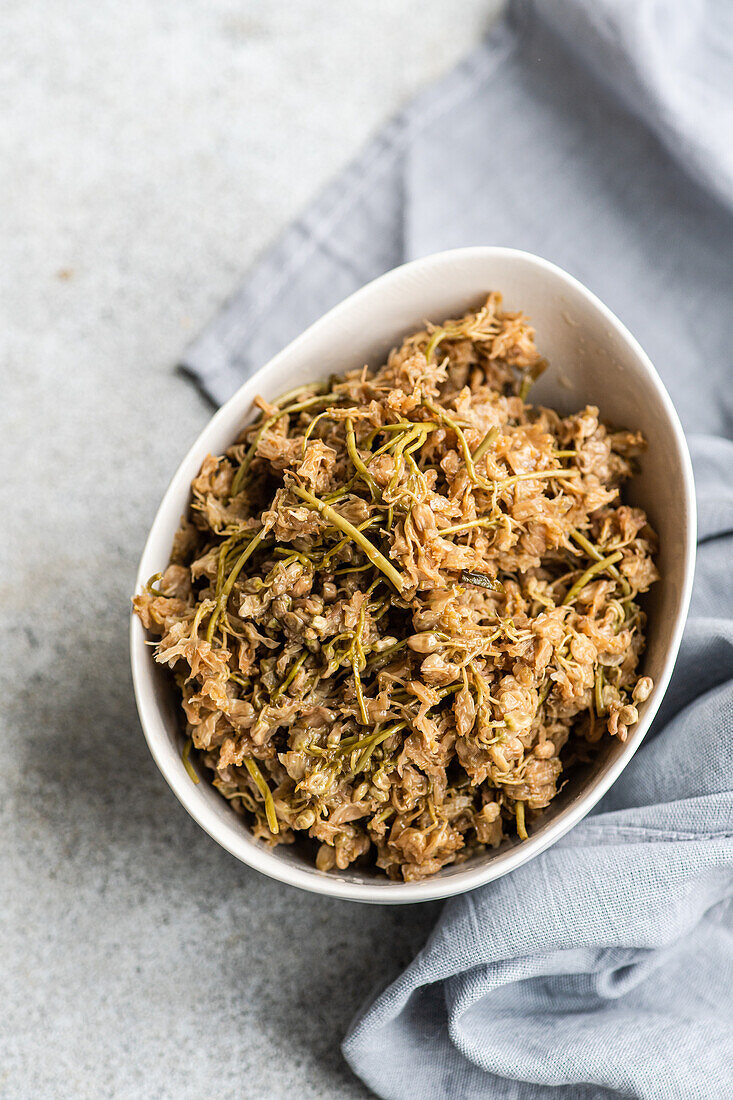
(150, 154)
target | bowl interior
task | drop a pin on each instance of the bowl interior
(593, 361)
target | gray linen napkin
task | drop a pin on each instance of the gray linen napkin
(598, 133)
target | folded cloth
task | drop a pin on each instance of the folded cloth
(598, 134)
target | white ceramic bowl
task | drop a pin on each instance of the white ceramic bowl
(594, 360)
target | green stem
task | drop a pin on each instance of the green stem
(399, 426)
(597, 567)
(283, 687)
(521, 827)
(375, 557)
(531, 377)
(224, 551)
(371, 522)
(266, 424)
(369, 744)
(532, 475)
(319, 388)
(456, 428)
(595, 553)
(433, 342)
(266, 793)
(485, 444)
(399, 450)
(338, 494)
(156, 591)
(203, 609)
(387, 652)
(226, 590)
(311, 426)
(598, 693)
(486, 522)
(542, 698)
(295, 555)
(186, 758)
(357, 460)
(358, 661)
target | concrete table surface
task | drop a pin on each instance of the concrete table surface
(151, 150)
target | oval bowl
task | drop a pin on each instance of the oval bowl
(593, 360)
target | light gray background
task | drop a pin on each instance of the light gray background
(150, 149)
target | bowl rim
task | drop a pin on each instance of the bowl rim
(266, 860)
